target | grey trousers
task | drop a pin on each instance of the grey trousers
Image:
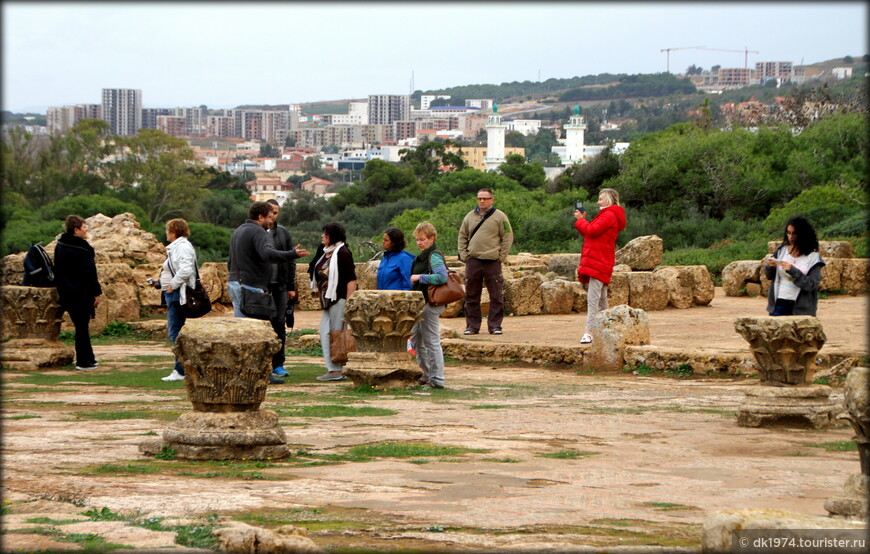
(596, 300)
(426, 335)
(330, 320)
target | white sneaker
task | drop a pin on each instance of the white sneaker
(174, 376)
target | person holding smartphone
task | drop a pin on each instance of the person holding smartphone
(796, 271)
(598, 255)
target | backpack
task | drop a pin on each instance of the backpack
(38, 269)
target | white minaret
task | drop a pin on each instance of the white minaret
(495, 130)
(574, 146)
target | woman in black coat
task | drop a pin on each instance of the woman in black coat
(75, 274)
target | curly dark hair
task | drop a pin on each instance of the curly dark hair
(335, 232)
(806, 240)
(397, 237)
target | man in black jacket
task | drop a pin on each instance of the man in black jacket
(282, 285)
(75, 274)
(252, 254)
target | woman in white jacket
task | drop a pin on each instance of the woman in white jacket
(178, 273)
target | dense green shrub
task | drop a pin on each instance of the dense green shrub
(87, 205)
(823, 205)
(19, 234)
(853, 226)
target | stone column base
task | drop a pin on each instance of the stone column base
(222, 436)
(799, 407)
(33, 354)
(385, 370)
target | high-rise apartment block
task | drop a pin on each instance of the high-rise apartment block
(150, 115)
(195, 120)
(122, 110)
(384, 109)
(773, 70)
(62, 119)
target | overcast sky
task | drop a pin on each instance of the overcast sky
(224, 54)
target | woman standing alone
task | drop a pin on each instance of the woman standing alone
(796, 271)
(599, 252)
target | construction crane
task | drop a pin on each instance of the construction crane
(745, 50)
(668, 50)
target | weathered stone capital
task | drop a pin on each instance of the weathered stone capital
(381, 320)
(785, 347)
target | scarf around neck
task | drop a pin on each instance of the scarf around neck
(332, 279)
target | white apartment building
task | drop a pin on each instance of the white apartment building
(122, 110)
(359, 109)
(426, 99)
(842, 72)
(484, 104)
(525, 126)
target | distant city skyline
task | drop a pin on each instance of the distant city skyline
(183, 54)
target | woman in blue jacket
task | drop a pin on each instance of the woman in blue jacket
(394, 271)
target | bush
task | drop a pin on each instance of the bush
(719, 255)
(85, 206)
(823, 205)
(19, 234)
(853, 226)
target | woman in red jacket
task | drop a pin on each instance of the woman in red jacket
(599, 252)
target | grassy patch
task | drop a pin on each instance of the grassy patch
(408, 450)
(566, 454)
(116, 332)
(331, 410)
(501, 460)
(119, 469)
(166, 453)
(146, 379)
(49, 521)
(837, 446)
(668, 506)
(21, 416)
(489, 407)
(192, 536)
(822, 381)
(115, 414)
(89, 542)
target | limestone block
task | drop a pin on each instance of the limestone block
(148, 295)
(227, 362)
(259, 428)
(579, 292)
(241, 538)
(214, 277)
(736, 274)
(522, 270)
(618, 289)
(856, 394)
(307, 299)
(120, 239)
(647, 291)
(763, 280)
(622, 267)
(383, 370)
(366, 275)
(119, 301)
(801, 407)
(524, 259)
(832, 274)
(12, 269)
(753, 290)
(523, 296)
(679, 285)
(702, 285)
(827, 248)
(31, 321)
(785, 347)
(614, 329)
(557, 297)
(564, 265)
(854, 277)
(719, 527)
(642, 253)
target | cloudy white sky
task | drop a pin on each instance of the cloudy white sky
(224, 54)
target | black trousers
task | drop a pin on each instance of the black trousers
(279, 293)
(81, 318)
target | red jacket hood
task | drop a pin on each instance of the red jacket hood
(618, 212)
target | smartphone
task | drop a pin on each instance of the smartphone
(579, 206)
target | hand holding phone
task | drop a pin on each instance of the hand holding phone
(579, 207)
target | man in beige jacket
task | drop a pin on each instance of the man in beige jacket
(485, 238)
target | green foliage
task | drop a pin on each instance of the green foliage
(427, 160)
(717, 256)
(836, 446)
(158, 172)
(591, 175)
(530, 175)
(382, 182)
(854, 225)
(824, 206)
(633, 86)
(20, 234)
(212, 242)
(225, 208)
(118, 329)
(456, 185)
(87, 205)
(406, 450)
(334, 411)
(166, 453)
(567, 454)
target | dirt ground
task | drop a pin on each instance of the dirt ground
(648, 458)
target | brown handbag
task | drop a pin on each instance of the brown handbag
(449, 292)
(340, 343)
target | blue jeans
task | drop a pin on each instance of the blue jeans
(235, 289)
(174, 320)
(783, 307)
